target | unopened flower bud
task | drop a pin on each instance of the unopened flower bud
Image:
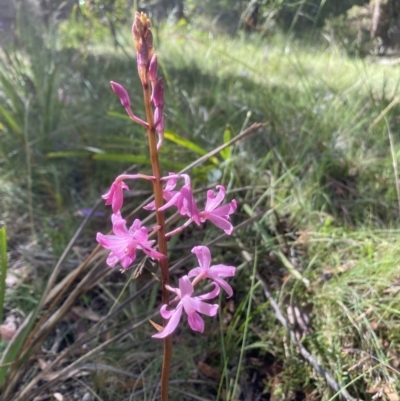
(153, 68)
(142, 35)
(159, 119)
(121, 92)
(137, 31)
(158, 94)
(142, 58)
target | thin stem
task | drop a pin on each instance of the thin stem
(162, 240)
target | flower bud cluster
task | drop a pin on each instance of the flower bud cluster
(177, 192)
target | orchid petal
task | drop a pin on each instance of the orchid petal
(203, 255)
(195, 272)
(185, 286)
(150, 206)
(210, 295)
(223, 270)
(224, 285)
(203, 307)
(195, 321)
(172, 324)
(212, 200)
(221, 223)
(112, 260)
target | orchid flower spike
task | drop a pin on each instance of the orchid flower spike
(124, 243)
(214, 273)
(191, 305)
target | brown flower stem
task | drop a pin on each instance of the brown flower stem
(162, 240)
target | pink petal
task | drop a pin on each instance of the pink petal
(151, 252)
(128, 259)
(221, 223)
(224, 210)
(177, 291)
(112, 260)
(171, 182)
(172, 324)
(165, 313)
(203, 255)
(196, 323)
(224, 285)
(119, 228)
(111, 241)
(233, 204)
(203, 307)
(195, 272)
(210, 295)
(223, 270)
(116, 216)
(150, 206)
(172, 201)
(185, 286)
(212, 200)
(187, 205)
(141, 235)
(136, 225)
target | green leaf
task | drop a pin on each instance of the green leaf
(226, 153)
(69, 153)
(187, 144)
(122, 157)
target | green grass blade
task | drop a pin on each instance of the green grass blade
(10, 122)
(3, 268)
(226, 153)
(15, 345)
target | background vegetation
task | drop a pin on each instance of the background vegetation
(317, 185)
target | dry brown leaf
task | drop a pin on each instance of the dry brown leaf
(156, 326)
(86, 313)
(390, 393)
(42, 363)
(208, 371)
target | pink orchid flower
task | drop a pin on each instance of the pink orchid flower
(124, 243)
(191, 305)
(114, 196)
(214, 273)
(218, 215)
(182, 199)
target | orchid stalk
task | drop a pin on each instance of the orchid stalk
(174, 190)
